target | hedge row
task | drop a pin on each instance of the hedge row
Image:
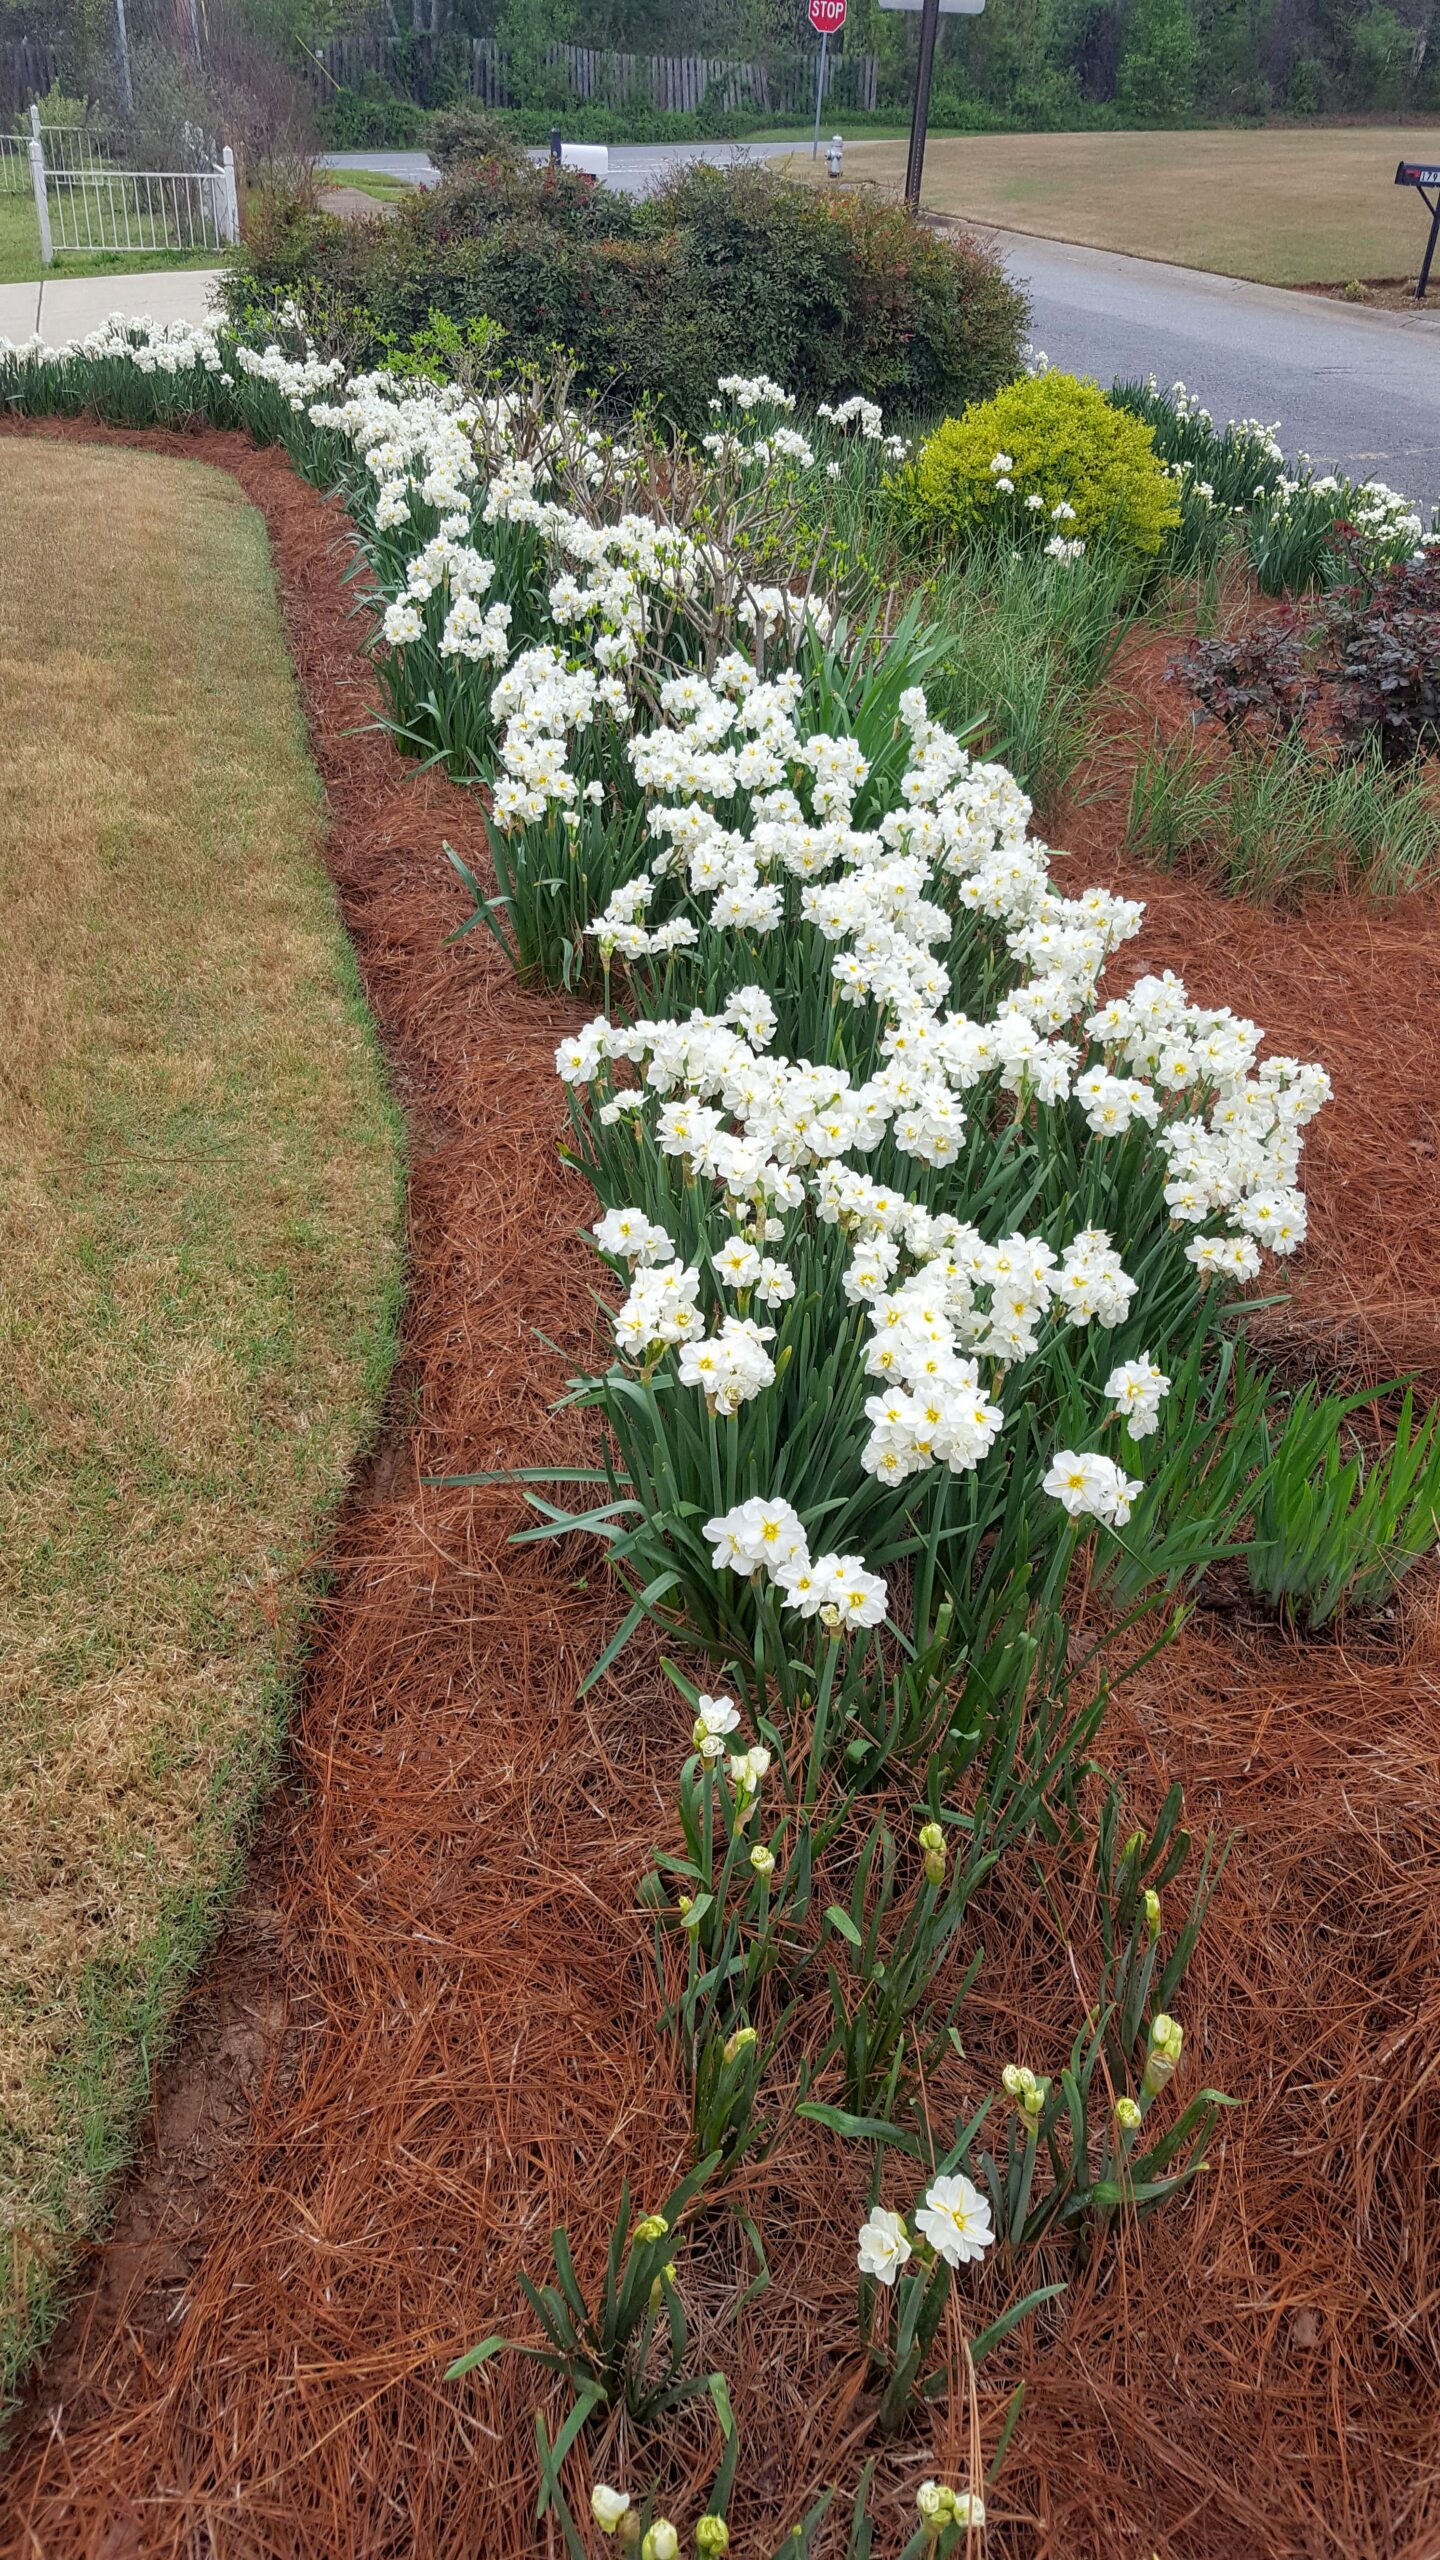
(719, 272)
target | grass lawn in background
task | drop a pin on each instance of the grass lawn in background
(20, 251)
(199, 1228)
(1312, 205)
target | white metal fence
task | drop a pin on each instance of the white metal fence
(70, 147)
(84, 202)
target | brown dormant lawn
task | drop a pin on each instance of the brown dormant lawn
(1285, 206)
(198, 1221)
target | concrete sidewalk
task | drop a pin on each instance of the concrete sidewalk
(64, 307)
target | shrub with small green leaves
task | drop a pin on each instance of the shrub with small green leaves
(467, 132)
(1050, 459)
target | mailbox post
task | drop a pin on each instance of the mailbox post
(1424, 177)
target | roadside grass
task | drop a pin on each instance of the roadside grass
(20, 251)
(1279, 205)
(379, 183)
(199, 1207)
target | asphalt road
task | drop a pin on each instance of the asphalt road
(1358, 390)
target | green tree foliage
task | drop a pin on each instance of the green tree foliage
(1156, 79)
(1027, 63)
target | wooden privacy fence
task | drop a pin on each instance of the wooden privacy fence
(29, 66)
(665, 82)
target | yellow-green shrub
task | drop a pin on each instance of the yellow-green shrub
(1067, 446)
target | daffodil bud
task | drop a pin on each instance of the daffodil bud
(1127, 2115)
(654, 2227)
(1152, 1911)
(686, 1908)
(662, 2542)
(935, 2503)
(931, 1836)
(1028, 2093)
(762, 1860)
(1166, 2039)
(712, 2534)
(932, 1845)
(739, 2043)
(968, 2511)
(609, 2507)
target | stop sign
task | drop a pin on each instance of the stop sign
(827, 17)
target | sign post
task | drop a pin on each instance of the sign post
(920, 114)
(1423, 175)
(827, 17)
(931, 12)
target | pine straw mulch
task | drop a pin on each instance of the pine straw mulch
(430, 2031)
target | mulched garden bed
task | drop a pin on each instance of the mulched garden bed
(430, 2029)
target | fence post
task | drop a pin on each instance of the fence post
(232, 201)
(42, 205)
(34, 123)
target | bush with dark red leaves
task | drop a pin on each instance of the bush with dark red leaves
(1386, 672)
(1256, 683)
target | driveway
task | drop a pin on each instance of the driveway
(1358, 390)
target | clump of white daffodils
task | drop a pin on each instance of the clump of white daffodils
(1091, 1486)
(769, 1537)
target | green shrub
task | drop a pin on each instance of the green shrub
(460, 135)
(57, 108)
(719, 272)
(1331, 1532)
(371, 118)
(1055, 439)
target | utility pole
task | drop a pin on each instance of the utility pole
(915, 165)
(124, 88)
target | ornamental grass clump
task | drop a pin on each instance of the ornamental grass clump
(1048, 462)
(1336, 1530)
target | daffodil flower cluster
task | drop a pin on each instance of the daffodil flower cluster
(760, 1537)
(952, 2220)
